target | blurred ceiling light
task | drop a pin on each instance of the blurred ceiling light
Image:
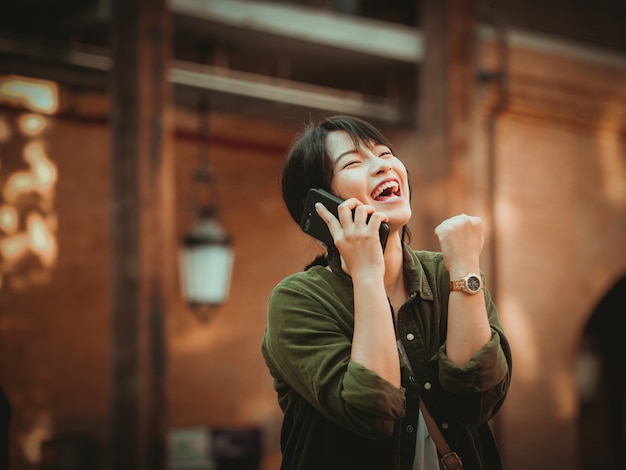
(8, 219)
(36, 95)
(37, 239)
(14, 247)
(28, 221)
(40, 178)
(41, 240)
(32, 124)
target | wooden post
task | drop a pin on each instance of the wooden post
(451, 123)
(142, 197)
(447, 87)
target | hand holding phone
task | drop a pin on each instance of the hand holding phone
(313, 225)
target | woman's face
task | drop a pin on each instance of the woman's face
(373, 175)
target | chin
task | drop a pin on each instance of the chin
(397, 221)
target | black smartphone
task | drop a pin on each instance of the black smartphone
(312, 224)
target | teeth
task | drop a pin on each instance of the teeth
(388, 185)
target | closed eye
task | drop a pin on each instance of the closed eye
(351, 163)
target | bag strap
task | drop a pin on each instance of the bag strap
(449, 460)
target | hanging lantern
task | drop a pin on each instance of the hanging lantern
(207, 261)
(206, 251)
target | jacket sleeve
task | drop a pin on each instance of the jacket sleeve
(307, 346)
(475, 392)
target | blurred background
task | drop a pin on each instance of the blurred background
(142, 227)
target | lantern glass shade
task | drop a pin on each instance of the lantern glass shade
(206, 264)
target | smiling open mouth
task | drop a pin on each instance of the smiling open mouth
(386, 190)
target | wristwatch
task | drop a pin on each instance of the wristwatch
(472, 284)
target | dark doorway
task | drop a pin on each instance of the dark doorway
(601, 374)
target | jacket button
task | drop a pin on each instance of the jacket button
(410, 336)
(427, 386)
(411, 378)
(409, 428)
(444, 425)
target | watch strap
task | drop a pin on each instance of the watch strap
(467, 284)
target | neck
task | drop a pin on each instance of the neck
(394, 279)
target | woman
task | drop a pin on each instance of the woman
(350, 400)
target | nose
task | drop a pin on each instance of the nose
(380, 166)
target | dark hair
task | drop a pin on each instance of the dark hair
(308, 164)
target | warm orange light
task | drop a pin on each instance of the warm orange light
(32, 437)
(14, 247)
(40, 178)
(28, 220)
(36, 95)
(566, 401)
(610, 146)
(37, 239)
(32, 124)
(523, 338)
(41, 240)
(8, 219)
(613, 166)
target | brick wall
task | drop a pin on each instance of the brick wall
(560, 226)
(560, 223)
(54, 346)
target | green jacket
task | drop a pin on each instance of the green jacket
(340, 415)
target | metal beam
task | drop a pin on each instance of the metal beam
(353, 33)
(227, 81)
(250, 85)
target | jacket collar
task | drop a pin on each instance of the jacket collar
(414, 275)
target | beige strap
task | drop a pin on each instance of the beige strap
(449, 460)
